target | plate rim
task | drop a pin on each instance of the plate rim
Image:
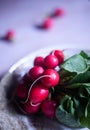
(49, 48)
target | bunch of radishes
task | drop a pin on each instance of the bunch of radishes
(33, 95)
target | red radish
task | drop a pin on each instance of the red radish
(10, 35)
(58, 12)
(35, 72)
(38, 93)
(51, 61)
(31, 109)
(38, 61)
(49, 108)
(21, 91)
(48, 23)
(51, 78)
(27, 79)
(59, 54)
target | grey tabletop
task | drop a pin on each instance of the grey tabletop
(71, 30)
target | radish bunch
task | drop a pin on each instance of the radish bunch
(34, 93)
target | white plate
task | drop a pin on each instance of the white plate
(18, 70)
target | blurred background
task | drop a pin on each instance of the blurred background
(71, 30)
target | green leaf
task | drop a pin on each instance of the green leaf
(70, 107)
(88, 63)
(78, 85)
(85, 121)
(65, 113)
(66, 118)
(75, 64)
(66, 76)
(74, 109)
(86, 109)
(81, 78)
(85, 55)
(67, 104)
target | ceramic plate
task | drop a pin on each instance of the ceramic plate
(10, 79)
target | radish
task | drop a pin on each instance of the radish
(58, 12)
(48, 23)
(31, 109)
(51, 79)
(37, 83)
(39, 61)
(27, 80)
(35, 72)
(48, 107)
(38, 93)
(59, 54)
(10, 35)
(21, 91)
(51, 61)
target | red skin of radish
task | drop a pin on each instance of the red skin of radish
(52, 80)
(39, 61)
(35, 72)
(26, 79)
(59, 12)
(51, 61)
(10, 35)
(31, 109)
(59, 54)
(38, 93)
(49, 108)
(48, 23)
(21, 91)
